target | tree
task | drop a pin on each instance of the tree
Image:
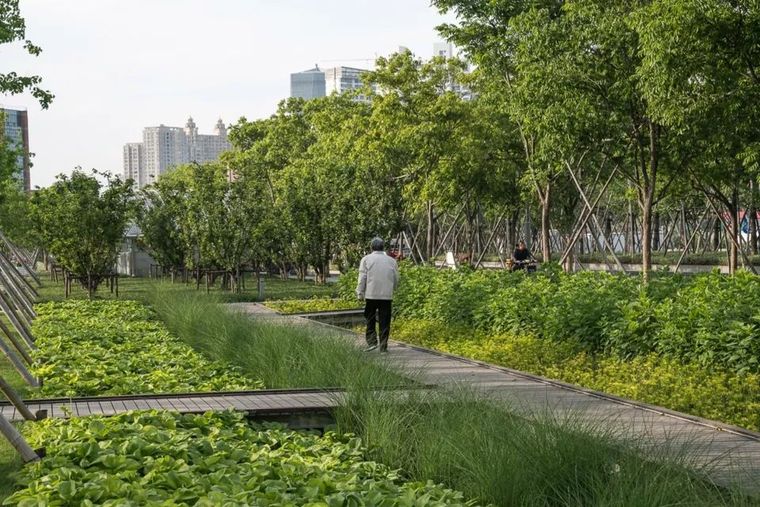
(161, 221)
(13, 28)
(81, 222)
(701, 75)
(421, 123)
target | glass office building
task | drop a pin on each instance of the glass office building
(15, 130)
(309, 84)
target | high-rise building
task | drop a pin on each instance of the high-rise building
(134, 160)
(164, 148)
(14, 128)
(345, 79)
(444, 49)
(309, 84)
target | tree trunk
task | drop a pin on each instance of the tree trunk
(545, 225)
(733, 251)
(752, 218)
(430, 233)
(716, 234)
(656, 231)
(646, 238)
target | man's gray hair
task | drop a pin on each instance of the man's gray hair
(377, 244)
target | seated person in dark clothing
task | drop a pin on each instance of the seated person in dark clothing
(520, 257)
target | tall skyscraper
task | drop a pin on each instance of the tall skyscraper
(164, 148)
(14, 128)
(309, 84)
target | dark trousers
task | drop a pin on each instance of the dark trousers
(378, 310)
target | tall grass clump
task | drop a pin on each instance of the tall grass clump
(282, 355)
(472, 445)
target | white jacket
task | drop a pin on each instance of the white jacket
(378, 276)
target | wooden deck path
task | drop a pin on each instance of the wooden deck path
(726, 454)
(258, 404)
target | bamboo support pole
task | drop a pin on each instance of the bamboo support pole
(22, 331)
(18, 364)
(18, 277)
(17, 441)
(16, 343)
(16, 400)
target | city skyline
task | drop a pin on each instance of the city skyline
(116, 68)
(164, 147)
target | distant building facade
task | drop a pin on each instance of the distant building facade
(15, 129)
(315, 83)
(164, 148)
(345, 79)
(309, 84)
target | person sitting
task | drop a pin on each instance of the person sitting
(520, 257)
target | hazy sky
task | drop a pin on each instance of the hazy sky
(117, 66)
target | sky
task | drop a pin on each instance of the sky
(118, 66)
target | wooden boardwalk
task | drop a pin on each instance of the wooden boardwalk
(257, 404)
(728, 455)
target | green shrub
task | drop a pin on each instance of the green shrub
(709, 319)
(712, 393)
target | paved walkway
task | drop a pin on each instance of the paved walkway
(728, 455)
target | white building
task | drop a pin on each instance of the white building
(345, 79)
(164, 148)
(315, 83)
(444, 49)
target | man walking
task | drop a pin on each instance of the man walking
(378, 278)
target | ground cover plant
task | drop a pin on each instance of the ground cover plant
(288, 306)
(719, 395)
(162, 458)
(119, 347)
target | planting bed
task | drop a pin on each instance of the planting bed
(118, 347)
(160, 458)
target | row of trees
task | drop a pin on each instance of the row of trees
(581, 113)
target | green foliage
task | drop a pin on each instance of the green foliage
(12, 29)
(160, 458)
(488, 453)
(118, 347)
(282, 356)
(712, 393)
(701, 319)
(81, 222)
(287, 306)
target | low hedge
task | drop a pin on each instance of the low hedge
(709, 320)
(717, 394)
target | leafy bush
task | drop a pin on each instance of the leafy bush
(118, 347)
(161, 458)
(708, 392)
(708, 319)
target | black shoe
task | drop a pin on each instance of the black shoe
(383, 351)
(370, 348)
